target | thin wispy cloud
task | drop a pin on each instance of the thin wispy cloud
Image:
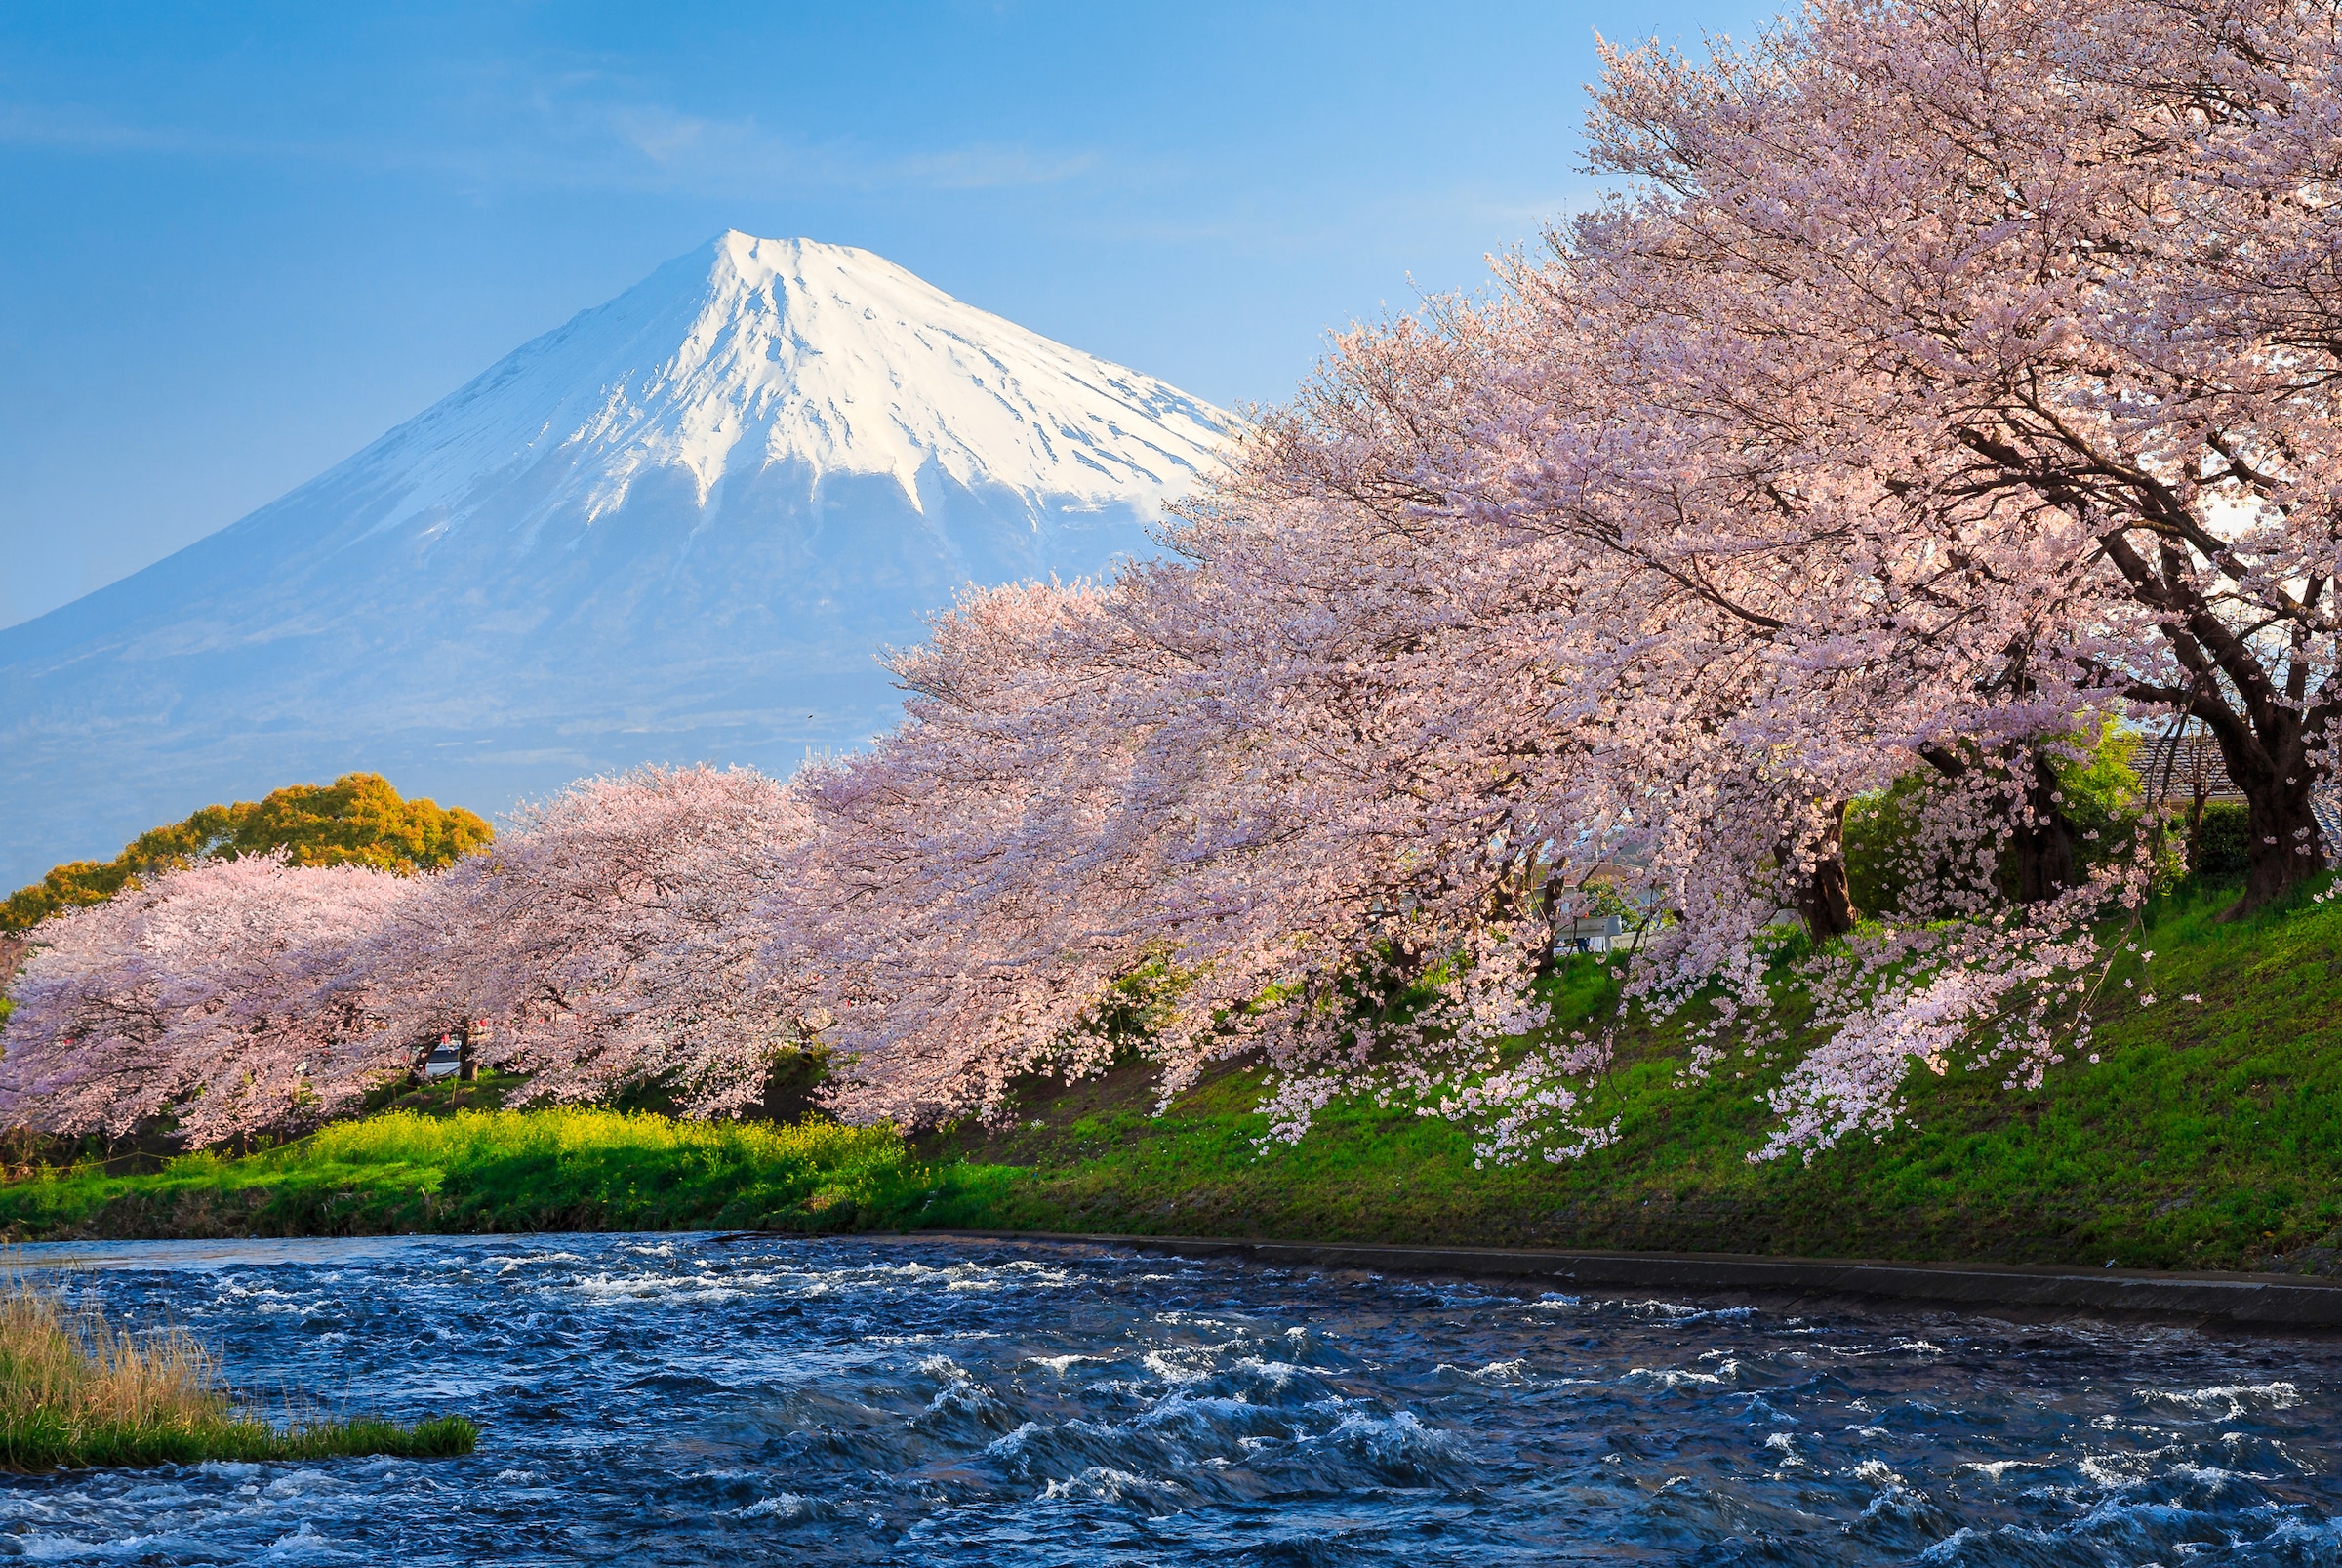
(995, 168)
(1346, 217)
(78, 128)
(571, 131)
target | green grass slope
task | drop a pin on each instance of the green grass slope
(2209, 1135)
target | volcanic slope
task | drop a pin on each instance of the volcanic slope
(679, 527)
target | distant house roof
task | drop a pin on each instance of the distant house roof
(2182, 766)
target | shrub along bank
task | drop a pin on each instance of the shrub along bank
(2208, 1136)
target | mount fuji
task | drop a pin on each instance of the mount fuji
(678, 528)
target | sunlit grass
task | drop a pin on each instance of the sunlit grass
(77, 1391)
(555, 1168)
(406, 1137)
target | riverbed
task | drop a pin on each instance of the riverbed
(686, 1399)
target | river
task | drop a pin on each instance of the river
(685, 1400)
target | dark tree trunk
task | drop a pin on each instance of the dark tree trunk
(2286, 846)
(2042, 846)
(2272, 772)
(2260, 710)
(1826, 898)
(467, 1064)
(1551, 890)
(2041, 850)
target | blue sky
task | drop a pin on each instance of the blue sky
(243, 240)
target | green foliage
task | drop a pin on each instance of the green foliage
(1135, 1005)
(358, 819)
(1609, 897)
(2223, 846)
(790, 1082)
(2102, 790)
(1879, 830)
(2102, 794)
(560, 1168)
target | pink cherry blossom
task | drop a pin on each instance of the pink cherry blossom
(1941, 382)
(199, 997)
(602, 942)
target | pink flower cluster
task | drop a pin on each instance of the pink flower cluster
(1942, 382)
(608, 940)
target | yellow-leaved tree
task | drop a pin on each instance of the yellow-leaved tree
(358, 818)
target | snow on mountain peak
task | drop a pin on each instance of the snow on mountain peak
(680, 527)
(751, 352)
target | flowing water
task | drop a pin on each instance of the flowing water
(741, 1399)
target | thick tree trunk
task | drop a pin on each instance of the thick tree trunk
(2272, 772)
(2041, 850)
(467, 1065)
(2286, 846)
(2043, 841)
(2261, 711)
(1826, 898)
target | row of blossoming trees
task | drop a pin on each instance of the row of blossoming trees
(1943, 381)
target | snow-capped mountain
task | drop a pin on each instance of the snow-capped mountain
(678, 528)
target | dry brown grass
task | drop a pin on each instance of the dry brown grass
(76, 1391)
(72, 1362)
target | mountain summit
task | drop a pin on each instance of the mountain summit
(678, 528)
(750, 355)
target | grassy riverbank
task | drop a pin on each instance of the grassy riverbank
(491, 1171)
(75, 1391)
(2209, 1137)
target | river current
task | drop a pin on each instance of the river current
(684, 1399)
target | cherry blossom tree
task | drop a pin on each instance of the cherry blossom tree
(1667, 553)
(1220, 773)
(605, 943)
(201, 999)
(2031, 305)
(602, 942)
(1955, 377)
